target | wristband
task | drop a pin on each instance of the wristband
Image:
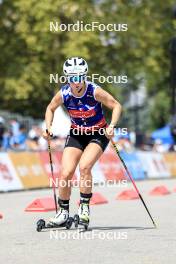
(111, 125)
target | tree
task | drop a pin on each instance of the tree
(31, 52)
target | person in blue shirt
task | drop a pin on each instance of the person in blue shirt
(18, 141)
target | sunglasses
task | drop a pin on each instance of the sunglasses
(76, 78)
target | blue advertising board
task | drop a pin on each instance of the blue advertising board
(134, 165)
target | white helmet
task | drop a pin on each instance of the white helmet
(75, 66)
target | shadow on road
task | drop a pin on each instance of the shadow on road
(119, 228)
(81, 229)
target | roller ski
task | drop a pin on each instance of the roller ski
(61, 219)
(82, 218)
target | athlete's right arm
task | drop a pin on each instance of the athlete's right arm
(49, 114)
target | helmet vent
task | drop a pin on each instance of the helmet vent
(82, 63)
(67, 64)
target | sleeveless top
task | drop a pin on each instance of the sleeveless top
(85, 111)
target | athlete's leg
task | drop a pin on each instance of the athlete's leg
(70, 160)
(89, 157)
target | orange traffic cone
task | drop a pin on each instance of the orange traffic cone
(41, 205)
(174, 190)
(159, 190)
(97, 198)
(127, 195)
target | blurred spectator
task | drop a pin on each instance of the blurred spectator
(173, 132)
(14, 140)
(18, 140)
(14, 127)
(14, 136)
(33, 138)
(37, 142)
(148, 143)
(2, 130)
(160, 147)
(140, 138)
(123, 141)
(6, 140)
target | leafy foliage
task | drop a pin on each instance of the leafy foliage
(30, 52)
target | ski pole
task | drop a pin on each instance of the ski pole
(133, 182)
(51, 167)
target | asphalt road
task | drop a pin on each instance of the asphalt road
(120, 231)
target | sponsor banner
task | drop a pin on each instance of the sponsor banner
(134, 165)
(23, 170)
(56, 158)
(170, 159)
(154, 164)
(111, 166)
(44, 158)
(8, 176)
(29, 169)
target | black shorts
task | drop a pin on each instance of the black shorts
(82, 140)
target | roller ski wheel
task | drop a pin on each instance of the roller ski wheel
(42, 225)
(78, 222)
(69, 222)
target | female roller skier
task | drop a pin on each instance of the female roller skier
(85, 143)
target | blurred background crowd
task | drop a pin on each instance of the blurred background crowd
(18, 135)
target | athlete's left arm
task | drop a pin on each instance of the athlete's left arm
(109, 101)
